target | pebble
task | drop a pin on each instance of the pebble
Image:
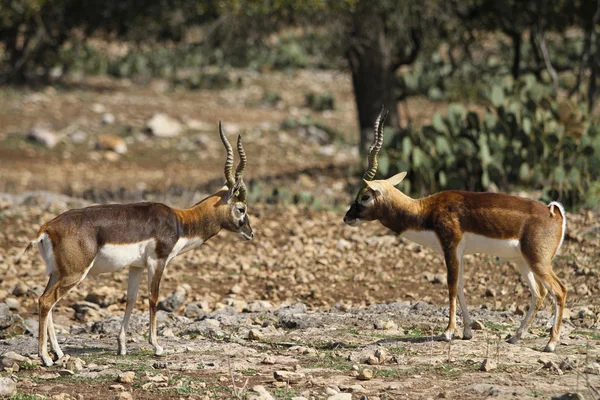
(161, 125)
(268, 360)
(382, 355)
(330, 391)
(12, 303)
(488, 365)
(124, 396)
(255, 334)
(288, 376)
(44, 137)
(384, 325)
(126, 377)
(592, 368)
(8, 386)
(108, 119)
(365, 375)
(477, 325)
(340, 396)
(10, 358)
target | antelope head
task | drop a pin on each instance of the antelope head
(234, 192)
(371, 199)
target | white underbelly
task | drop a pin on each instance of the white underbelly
(506, 249)
(113, 257)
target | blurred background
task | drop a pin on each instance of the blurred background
(119, 100)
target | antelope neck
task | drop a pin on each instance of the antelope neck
(401, 213)
(200, 220)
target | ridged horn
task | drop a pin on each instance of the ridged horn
(229, 161)
(376, 145)
(239, 171)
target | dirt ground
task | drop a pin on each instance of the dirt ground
(303, 309)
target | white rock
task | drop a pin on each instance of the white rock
(79, 137)
(12, 303)
(161, 125)
(98, 108)
(10, 358)
(43, 136)
(341, 396)
(7, 386)
(107, 119)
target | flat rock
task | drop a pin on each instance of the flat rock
(340, 396)
(10, 358)
(288, 376)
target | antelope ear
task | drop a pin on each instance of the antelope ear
(396, 179)
(234, 190)
(374, 187)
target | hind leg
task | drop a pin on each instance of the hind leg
(155, 272)
(51, 296)
(538, 293)
(51, 331)
(133, 283)
(559, 294)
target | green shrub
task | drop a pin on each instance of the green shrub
(526, 138)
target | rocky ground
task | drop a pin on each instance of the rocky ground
(310, 308)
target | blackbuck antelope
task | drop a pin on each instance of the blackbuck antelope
(455, 223)
(107, 238)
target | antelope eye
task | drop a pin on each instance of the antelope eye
(242, 210)
(365, 197)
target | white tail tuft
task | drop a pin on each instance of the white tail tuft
(564, 221)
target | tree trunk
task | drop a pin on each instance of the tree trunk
(373, 75)
(516, 65)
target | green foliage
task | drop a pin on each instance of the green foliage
(320, 102)
(526, 138)
(25, 396)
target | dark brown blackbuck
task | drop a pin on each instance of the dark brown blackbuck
(141, 236)
(454, 223)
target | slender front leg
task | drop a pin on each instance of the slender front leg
(135, 275)
(154, 289)
(453, 268)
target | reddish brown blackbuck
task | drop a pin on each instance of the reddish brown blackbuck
(107, 238)
(454, 223)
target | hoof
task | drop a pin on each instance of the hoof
(122, 352)
(159, 352)
(47, 361)
(447, 336)
(513, 340)
(467, 335)
(58, 355)
(550, 347)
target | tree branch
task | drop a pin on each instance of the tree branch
(407, 59)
